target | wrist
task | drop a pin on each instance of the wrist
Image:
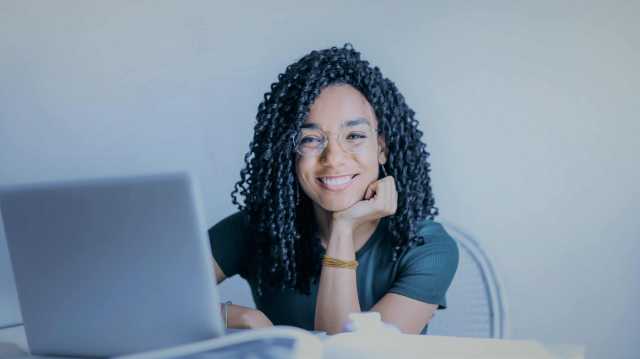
(341, 227)
(255, 318)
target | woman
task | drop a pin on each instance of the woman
(338, 211)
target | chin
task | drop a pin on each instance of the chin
(334, 208)
(337, 205)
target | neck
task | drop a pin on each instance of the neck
(361, 233)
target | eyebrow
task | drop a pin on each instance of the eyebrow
(351, 123)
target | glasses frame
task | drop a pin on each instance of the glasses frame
(374, 132)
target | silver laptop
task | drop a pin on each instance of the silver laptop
(111, 266)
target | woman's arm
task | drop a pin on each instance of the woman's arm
(338, 296)
(218, 271)
(337, 291)
(409, 315)
(240, 317)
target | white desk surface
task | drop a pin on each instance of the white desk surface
(13, 345)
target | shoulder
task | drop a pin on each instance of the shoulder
(235, 221)
(432, 230)
(439, 248)
(426, 271)
(229, 239)
(233, 229)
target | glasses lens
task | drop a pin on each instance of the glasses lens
(310, 142)
(354, 140)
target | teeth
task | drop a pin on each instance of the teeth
(336, 181)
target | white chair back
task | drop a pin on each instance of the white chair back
(475, 305)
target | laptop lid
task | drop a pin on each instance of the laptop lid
(111, 266)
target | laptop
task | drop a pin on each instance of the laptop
(108, 267)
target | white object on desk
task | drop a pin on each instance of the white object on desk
(367, 322)
(275, 342)
(352, 346)
(402, 346)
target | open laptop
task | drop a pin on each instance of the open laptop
(111, 266)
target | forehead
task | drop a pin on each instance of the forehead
(339, 105)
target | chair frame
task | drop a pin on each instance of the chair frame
(497, 302)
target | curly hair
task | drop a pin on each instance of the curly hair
(287, 252)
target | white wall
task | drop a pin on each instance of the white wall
(529, 110)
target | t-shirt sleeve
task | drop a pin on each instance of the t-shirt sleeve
(229, 244)
(426, 271)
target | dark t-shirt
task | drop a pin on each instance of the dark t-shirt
(422, 273)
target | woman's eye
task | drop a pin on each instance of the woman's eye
(356, 136)
(310, 140)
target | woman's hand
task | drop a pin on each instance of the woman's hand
(240, 317)
(380, 200)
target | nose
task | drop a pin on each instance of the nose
(333, 155)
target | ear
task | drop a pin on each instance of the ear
(382, 150)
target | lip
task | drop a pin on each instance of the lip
(336, 188)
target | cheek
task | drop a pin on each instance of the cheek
(304, 170)
(371, 167)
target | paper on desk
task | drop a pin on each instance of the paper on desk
(420, 346)
(456, 347)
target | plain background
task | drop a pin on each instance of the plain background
(529, 109)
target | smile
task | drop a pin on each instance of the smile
(336, 183)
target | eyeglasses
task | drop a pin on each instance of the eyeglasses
(312, 141)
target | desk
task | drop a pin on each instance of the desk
(13, 345)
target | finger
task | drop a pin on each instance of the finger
(381, 195)
(394, 198)
(367, 194)
(372, 190)
(389, 195)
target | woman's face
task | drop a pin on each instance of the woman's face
(337, 177)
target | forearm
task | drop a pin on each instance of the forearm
(244, 318)
(337, 291)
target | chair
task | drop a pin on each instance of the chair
(475, 306)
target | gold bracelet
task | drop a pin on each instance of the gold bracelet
(339, 263)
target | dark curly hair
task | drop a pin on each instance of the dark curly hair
(287, 252)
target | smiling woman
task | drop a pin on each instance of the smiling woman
(336, 173)
(338, 212)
